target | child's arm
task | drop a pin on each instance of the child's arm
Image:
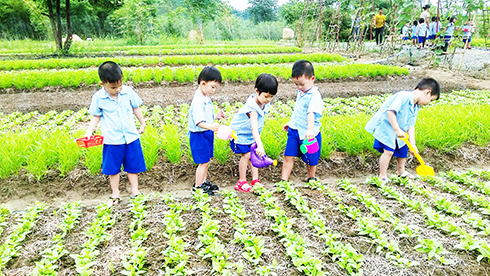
(255, 132)
(417, 33)
(139, 115)
(214, 127)
(394, 124)
(220, 115)
(310, 134)
(411, 138)
(91, 126)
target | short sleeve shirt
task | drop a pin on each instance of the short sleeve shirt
(450, 29)
(116, 117)
(241, 121)
(425, 15)
(406, 111)
(309, 102)
(379, 20)
(201, 110)
(422, 30)
(466, 30)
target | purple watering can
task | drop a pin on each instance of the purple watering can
(309, 146)
(260, 162)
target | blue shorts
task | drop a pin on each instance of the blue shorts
(405, 38)
(432, 37)
(202, 146)
(397, 152)
(238, 148)
(421, 39)
(447, 38)
(414, 37)
(466, 39)
(130, 156)
(293, 148)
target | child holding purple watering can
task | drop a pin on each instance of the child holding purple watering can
(304, 122)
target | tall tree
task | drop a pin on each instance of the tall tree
(203, 11)
(135, 18)
(262, 10)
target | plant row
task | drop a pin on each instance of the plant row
(157, 50)
(76, 63)
(29, 79)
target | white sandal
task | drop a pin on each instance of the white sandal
(406, 174)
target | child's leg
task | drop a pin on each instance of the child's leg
(114, 181)
(311, 171)
(255, 172)
(384, 162)
(242, 166)
(287, 167)
(201, 173)
(401, 165)
(133, 180)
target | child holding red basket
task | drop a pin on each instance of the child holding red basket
(115, 106)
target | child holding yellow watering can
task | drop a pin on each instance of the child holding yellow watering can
(394, 119)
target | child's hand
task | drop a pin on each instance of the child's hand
(285, 127)
(260, 151)
(214, 127)
(400, 133)
(309, 134)
(142, 129)
(88, 134)
(220, 115)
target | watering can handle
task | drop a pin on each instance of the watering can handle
(415, 153)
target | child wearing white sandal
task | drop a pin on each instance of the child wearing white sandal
(396, 116)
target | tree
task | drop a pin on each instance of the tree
(135, 18)
(262, 10)
(203, 11)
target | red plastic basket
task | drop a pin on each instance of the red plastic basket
(86, 142)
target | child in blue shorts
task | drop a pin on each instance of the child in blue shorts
(248, 124)
(304, 122)
(396, 116)
(115, 105)
(202, 126)
(415, 29)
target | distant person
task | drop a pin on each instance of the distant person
(435, 26)
(425, 14)
(468, 29)
(379, 25)
(405, 33)
(202, 127)
(396, 117)
(356, 24)
(415, 28)
(248, 124)
(448, 32)
(115, 106)
(422, 33)
(304, 122)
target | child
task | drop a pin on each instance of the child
(405, 33)
(202, 126)
(248, 124)
(304, 122)
(396, 116)
(449, 30)
(434, 28)
(114, 105)
(415, 28)
(422, 33)
(467, 28)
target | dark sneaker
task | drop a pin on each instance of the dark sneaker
(211, 185)
(205, 189)
(311, 179)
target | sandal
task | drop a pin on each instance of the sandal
(135, 196)
(114, 200)
(240, 186)
(406, 174)
(255, 182)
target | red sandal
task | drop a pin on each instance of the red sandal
(239, 186)
(255, 182)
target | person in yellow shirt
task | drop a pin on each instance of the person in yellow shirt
(379, 26)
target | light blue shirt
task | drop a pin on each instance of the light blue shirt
(201, 110)
(405, 31)
(241, 121)
(433, 28)
(450, 29)
(116, 117)
(422, 30)
(468, 32)
(311, 101)
(414, 30)
(406, 115)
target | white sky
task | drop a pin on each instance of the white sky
(243, 4)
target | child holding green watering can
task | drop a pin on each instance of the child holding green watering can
(396, 117)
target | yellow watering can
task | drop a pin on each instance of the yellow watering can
(422, 169)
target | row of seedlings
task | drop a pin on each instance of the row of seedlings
(346, 256)
(96, 234)
(4, 213)
(210, 245)
(465, 179)
(438, 221)
(13, 243)
(254, 245)
(295, 245)
(134, 263)
(47, 265)
(175, 255)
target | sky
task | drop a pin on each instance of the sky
(242, 5)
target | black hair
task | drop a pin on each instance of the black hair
(110, 72)
(415, 23)
(302, 67)
(431, 84)
(266, 83)
(209, 73)
(421, 20)
(426, 7)
(451, 19)
(434, 18)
